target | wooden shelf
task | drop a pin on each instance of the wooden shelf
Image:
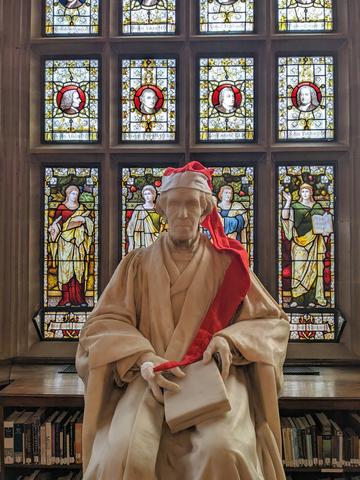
(336, 389)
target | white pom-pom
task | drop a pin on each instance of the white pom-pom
(147, 371)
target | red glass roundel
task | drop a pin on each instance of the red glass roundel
(226, 98)
(148, 99)
(71, 99)
(306, 96)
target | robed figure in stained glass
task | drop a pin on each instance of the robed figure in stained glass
(308, 247)
(70, 240)
(233, 215)
(145, 224)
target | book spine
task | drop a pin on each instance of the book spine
(72, 442)
(18, 442)
(319, 441)
(36, 440)
(28, 443)
(78, 443)
(43, 444)
(56, 443)
(8, 442)
(52, 443)
(48, 443)
(327, 449)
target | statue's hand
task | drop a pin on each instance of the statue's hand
(221, 346)
(156, 380)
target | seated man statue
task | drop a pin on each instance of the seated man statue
(182, 300)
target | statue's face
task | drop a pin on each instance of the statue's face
(183, 212)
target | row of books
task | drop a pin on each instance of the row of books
(350, 477)
(45, 436)
(43, 475)
(316, 440)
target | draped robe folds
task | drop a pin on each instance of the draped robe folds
(144, 227)
(151, 306)
(71, 245)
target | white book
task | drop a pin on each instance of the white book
(322, 224)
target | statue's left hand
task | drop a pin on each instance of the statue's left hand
(220, 345)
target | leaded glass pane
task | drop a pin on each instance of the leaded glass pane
(226, 99)
(233, 188)
(140, 223)
(71, 100)
(148, 17)
(314, 326)
(306, 243)
(72, 17)
(305, 15)
(148, 103)
(71, 247)
(306, 98)
(226, 16)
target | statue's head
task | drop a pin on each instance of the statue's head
(185, 201)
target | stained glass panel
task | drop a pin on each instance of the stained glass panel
(305, 15)
(140, 223)
(226, 99)
(71, 100)
(144, 17)
(148, 102)
(72, 17)
(71, 247)
(234, 191)
(306, 98)
(226, 16)
(306, 245)
(313, 326)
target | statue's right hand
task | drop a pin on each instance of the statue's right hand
(156, 381)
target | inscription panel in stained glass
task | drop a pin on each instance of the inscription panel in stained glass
(146, 17)
(71, 17)
(226, 16)
(305, 15)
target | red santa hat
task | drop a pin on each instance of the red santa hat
(236, 281)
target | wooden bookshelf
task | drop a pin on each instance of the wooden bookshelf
(335, 389)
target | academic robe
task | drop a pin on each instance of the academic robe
(149, 306)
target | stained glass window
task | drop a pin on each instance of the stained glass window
(305, 15)
(234, 191)
(226, 16)
(140, 223)
(226, 99)
(306, 247)
(71, 248)
(148, 102)
(146, 17)
(72, 17)
(306, 98)
(71, 100)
